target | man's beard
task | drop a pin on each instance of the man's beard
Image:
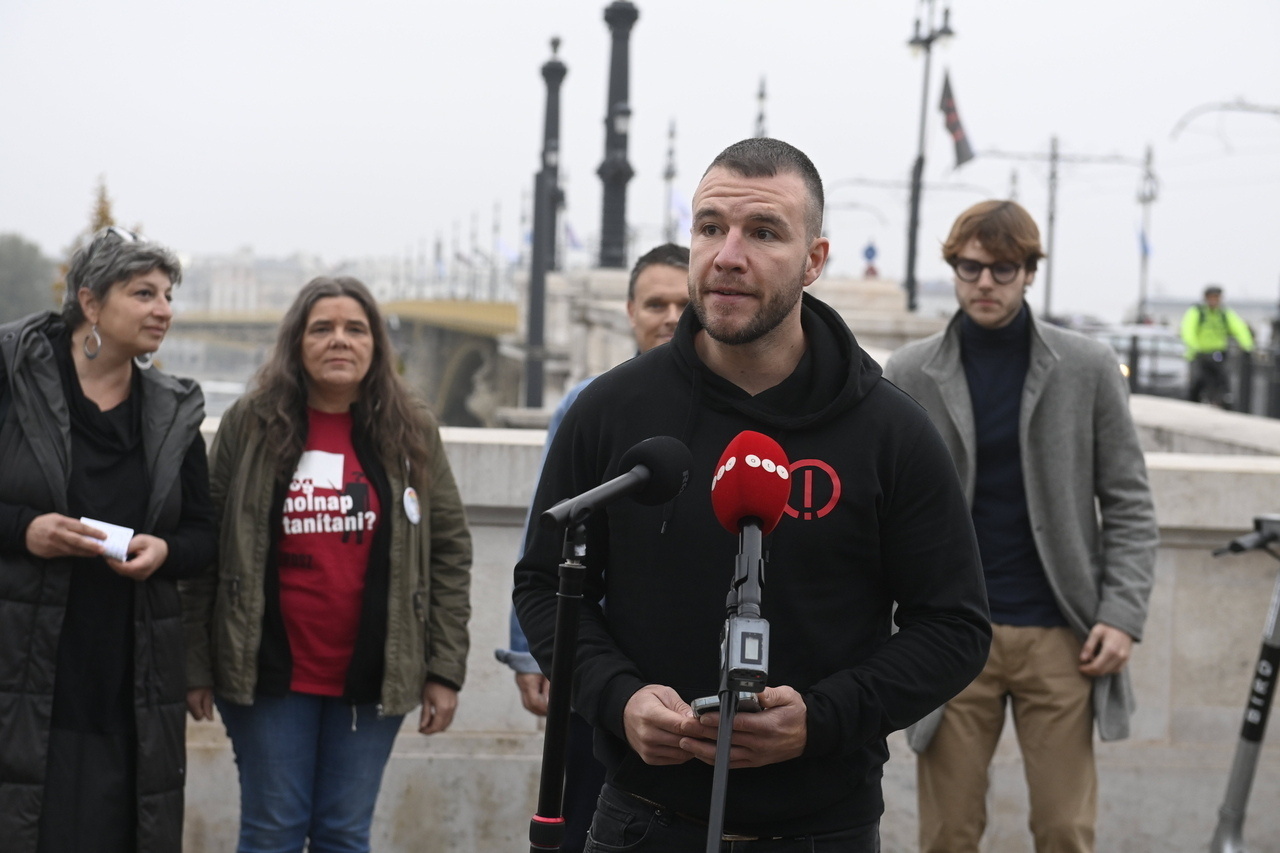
(770, 315)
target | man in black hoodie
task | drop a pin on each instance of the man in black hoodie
(876, 518)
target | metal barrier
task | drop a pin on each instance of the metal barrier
(1152, 367)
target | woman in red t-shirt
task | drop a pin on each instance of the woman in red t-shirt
(330, 469)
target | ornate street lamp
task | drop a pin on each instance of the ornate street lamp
(546, 193)
(615, 171)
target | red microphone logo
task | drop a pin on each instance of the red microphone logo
(752, 480)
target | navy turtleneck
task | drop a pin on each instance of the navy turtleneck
(995, 364)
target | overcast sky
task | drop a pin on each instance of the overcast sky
(361, 129)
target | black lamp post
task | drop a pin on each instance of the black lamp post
(1148, 190)
(615, 171)
(669, 176)
(925, 41)
(546, 192)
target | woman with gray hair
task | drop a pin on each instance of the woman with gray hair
(104, 504)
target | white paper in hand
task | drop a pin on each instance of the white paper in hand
(118, 538)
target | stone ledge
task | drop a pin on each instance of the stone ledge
(1213, 492)
(1178, 426)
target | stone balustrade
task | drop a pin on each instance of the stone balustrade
(474, 787)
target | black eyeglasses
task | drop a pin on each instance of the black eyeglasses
(969, 270)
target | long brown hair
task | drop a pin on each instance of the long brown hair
(386, 411)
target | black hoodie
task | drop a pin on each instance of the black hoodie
(876, 517)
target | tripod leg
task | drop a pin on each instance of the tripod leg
(546, 828)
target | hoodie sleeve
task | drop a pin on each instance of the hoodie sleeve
(930, 565)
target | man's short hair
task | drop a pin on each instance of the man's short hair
(668, 254)
(763, 157)
(1213, 290)
(1004, 228)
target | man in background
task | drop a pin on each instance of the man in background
(1207, 330)
(1037, 421)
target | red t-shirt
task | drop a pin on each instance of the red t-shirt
(330, 513)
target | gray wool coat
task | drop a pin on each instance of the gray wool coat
(1086, 480)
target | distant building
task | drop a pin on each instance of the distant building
(245, 283)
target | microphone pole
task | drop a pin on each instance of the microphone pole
(749, 494)
(656, 470)
(744, 662)
(546, 828)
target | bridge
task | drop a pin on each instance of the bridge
(448, 351)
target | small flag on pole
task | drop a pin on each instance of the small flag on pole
(964, 153)
(681, 212)
(570, 237)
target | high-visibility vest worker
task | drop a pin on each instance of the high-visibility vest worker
(1208, 326)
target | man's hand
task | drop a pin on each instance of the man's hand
(438, 704)
(146, 554)
(654, 720)
(200, 703)
(53, 535)
(775, 733)
(535, 691)
(1106, 651)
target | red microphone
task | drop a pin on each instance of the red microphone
(752, 481)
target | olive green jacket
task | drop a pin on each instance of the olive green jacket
(428, 603)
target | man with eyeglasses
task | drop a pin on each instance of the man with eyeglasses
(1037, 421)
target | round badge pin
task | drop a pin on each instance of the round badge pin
(411, 507)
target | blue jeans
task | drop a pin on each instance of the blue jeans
(310, 768)
(623, 823)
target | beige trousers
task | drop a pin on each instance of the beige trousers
(1034, 670)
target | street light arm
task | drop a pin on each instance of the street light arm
(854, 205)
(1115, 159)
(1237, 106)
(898, 184)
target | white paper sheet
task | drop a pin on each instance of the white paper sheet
(118, 538)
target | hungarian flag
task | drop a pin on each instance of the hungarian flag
(964, 153)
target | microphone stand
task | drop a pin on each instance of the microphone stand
(744, 662)
(546, 828)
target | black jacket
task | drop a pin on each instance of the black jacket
(35, 447)
(876, 518)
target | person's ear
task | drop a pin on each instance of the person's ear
(89, 305)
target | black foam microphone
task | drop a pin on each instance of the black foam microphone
(657, 469)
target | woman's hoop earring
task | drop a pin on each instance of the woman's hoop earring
(144, 361)
(97, 339)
